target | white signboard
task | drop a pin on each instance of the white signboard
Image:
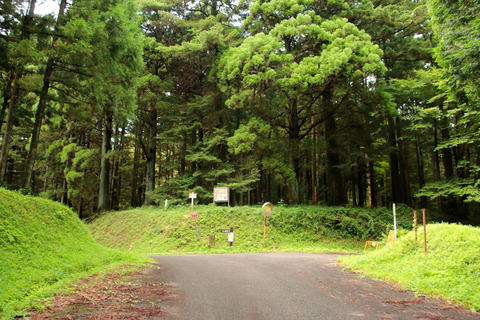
(221, 194)
(192, 195)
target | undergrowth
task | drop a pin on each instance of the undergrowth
(154, 230)
(43, 248)
(450, 268)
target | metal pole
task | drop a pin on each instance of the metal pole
(415, 224)
(424, 211)
(196, 229)
(394, 221)
(264, 231)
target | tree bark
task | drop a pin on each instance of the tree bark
(12, 101)
(42, 104)
(421, 169)
(337, 194)
(372, 187)
(7, 94)
(41, 107)
(362, 182)
(136, 166)
(8, 133)
(395, 183)
(151, 155)
(104, 192)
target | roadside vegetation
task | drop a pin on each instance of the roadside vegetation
(154, 230)
(44, 247)
(450, 268)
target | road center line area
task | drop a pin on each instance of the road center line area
(290, 286)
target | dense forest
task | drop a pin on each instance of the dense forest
(110, 104)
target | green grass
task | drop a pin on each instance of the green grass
(154, 230)
(44, 247)
(449, 269)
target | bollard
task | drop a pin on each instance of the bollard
(211, 240)
(230, 237)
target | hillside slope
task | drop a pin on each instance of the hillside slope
(450, 267)
(153, 230)
(44, 246)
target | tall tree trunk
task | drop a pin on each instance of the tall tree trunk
(337, 194)
(314, 182)
(372, 187)
(136, 166)
(362, 183)
(436, 168)
(42, 105)
(115, 181)
(151, 156)
(395, 183)
(295, 153)
(8, 133)
(421, 169)
(104, 192)
(406, 196)
(13, 96)
(7, 94)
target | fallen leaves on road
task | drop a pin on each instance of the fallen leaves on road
(114, 297)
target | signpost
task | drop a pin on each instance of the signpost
(195, 217)
(267, 211)
(424, 214)
(230, 238)
(394, 221)
(221, 194)
(230, 235)
(192, 196)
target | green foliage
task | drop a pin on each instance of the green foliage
(449, 268)
(338, 222)
(173, 189)
(457, 29)
(299, 55)
(155, 230)
(44, 247)
(467, 189)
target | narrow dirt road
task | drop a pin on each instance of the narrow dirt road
(263, 286)
(286, 286)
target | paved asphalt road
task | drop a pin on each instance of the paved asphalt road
(290, 286)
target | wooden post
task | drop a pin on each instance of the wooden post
(211, 240)
(415, 224)
(264, 231)
(395, 221)
(424, 212)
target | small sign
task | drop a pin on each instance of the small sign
(221, 194)
(230, 237)
(194, 216)
(267, 209)
(192, 195)
(225, 231)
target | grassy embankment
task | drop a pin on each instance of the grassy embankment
(449, 269)
(44, 247)
(154, 230)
